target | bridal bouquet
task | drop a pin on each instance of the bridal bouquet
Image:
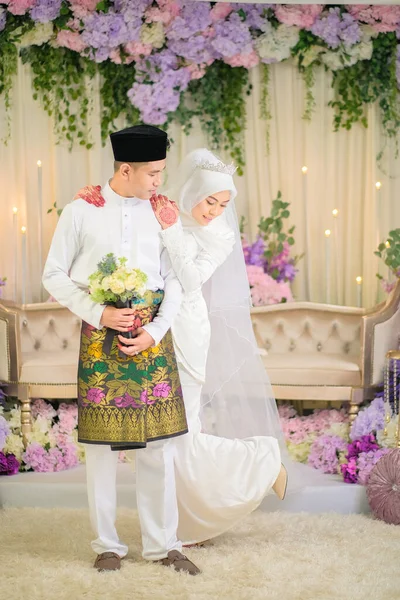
(116, 285)
(114, 282)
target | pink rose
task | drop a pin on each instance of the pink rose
(95, 395)
(161, 390)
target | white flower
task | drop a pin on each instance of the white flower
(41, 425)
(117, 286)
(14, 418)
(106, 283)
(41, 34)
(340, 429)
(333, 60)
(14, 445)
(390, 439)
(275, 45)
(311, 54)
(153, 34)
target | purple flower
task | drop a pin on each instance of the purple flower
(194, 18)
(95, 395)
(324, 454)
(255, 14)
(349, 471)
(37, 458)
(13, 464)
(46, 10)
(161, 390)
(196, 49)
(4, 431)
(3, 17)
(232, 37)
(3, 464)
(371, 418)
(335, 28)
(366, 462)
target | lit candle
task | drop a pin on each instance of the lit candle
(15, 244)
(40, 214)
(378, 186)
(335, 214)
(24, 262)
(359, 291)
(304, 171)
(328, 264)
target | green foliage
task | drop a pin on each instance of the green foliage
(366, 82)
(220, 99)
(116, 81)
(389, 252)
(61, 79)
(272, 229)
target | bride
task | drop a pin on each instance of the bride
(221, 474)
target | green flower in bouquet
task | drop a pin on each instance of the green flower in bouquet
(114, 281)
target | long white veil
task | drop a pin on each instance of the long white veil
(237, 398)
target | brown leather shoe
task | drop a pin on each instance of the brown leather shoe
(107, 561)
(180, 563)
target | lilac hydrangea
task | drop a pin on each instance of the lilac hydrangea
(4, 431)
(232, 37)
(255, 14)
(45, 11)
(194, 18)
(366, 462)
(196, 49)
(324, 454)
(371, 418)
(107, 31)
(3, 17)
(159, 83)
(336, 28)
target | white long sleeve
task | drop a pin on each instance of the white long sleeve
(192, 273)
(171, 303)
(64, 249)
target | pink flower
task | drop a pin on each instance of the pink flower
(161, 390)
(41, 408)
(244, 60)
(302, 15)
(136, 50)
(125, 401)
(266, 290)
(67, 417)
(36, 458)
(166, 12)
(144, 397)
(95, 395)
(81, 8)
(220, 11)
(71, 40)
(196, 71)
(19, 7)
(381, 18)
(115, 56)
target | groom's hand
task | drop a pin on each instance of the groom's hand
(142, 341)
(165, 210)
(120, 319)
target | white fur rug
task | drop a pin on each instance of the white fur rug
(45, 555)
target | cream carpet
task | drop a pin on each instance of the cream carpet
(45, 555)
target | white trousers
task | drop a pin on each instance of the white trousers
(155, 495)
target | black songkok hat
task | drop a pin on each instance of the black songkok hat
(140, 143)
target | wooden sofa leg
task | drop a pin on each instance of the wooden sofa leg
(356, 399)
(26, 415)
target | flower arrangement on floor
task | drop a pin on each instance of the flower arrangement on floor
(389, 252)
(150, 54)
(270, 267)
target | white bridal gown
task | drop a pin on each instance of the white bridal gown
(218, 480)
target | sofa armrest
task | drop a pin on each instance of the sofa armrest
(380, 332)
(10, 353)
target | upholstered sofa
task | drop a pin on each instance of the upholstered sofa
(313, 351)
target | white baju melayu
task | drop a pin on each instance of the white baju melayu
(84, 235)
(219, 480)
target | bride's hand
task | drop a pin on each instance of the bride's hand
(165, 210)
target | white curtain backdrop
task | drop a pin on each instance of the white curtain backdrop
(342, 173)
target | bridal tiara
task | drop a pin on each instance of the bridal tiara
(219, 167)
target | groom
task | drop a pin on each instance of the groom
(133, 399)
